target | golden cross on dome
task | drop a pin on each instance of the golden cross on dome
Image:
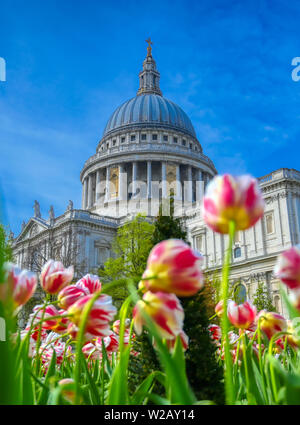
(149, 48)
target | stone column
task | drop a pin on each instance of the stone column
(190, 185)
(85, 189)
(164, 179)
(178, 184)
(98, 181)
(122, 181)
(199, 186)
(107, 185)
(90, 192)
(149, 178)
(134, 174)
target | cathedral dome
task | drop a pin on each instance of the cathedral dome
(149, 108)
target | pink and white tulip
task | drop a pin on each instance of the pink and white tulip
(165, 311)
(241, 316)
(19, 286)
(229, 198)
(54, 276)
(100, 316)
(271, 323)
(173, 267)
(69, 295)
(287, 268)
(89, 283)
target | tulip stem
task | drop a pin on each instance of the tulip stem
(229, 390)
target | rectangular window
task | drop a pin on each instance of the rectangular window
(154, 136)
(184, 142)
(114, 142)
(132, 137)
(122, 139)
(144, 136)
(199, 243)
(175, 140)
(165, 138)
(191, 145)
(269, 218)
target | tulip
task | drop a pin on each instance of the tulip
(165, 311)
(116, 325)
(294, 298)
(55, 324)
(54, 277)
(68, 295)
(241, 316)
(90, 284)
(68, 389)
(293, 337)
(215, 332)
(173, 267)
(20, 285)
(91, 352)
(111, 343)
(229, 198)
(271, 323)
(219, 308)
(100, 315)
(184, 342)
(287, 268)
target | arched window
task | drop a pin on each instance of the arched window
(237, 252)
(240, 293)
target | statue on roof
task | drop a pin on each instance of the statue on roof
(37, 210)
(51, 213)
(70, 206)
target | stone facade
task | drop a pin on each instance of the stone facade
(149, 148)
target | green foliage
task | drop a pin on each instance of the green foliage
(167, 226)
(131, 248)
(262, 299)
(5, 247)
(204, 373)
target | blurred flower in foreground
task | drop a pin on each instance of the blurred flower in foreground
(229, 198)
(241, 316)
(165, 311)
(100, 316)
(173, 267)
(287, 268)
(54, 277)
(68, 389)
(19, 286)
(271, 323)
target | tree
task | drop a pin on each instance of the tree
(64, 247)
(167, 226)
(262, 299)
(204, 373)
(131, 248)
(5, 250)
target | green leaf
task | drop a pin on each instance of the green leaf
(142, 392)
(50, 372)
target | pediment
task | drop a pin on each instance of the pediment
(32, 228)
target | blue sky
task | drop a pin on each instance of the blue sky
(71, 63)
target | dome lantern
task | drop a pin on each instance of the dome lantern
(149, 76)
